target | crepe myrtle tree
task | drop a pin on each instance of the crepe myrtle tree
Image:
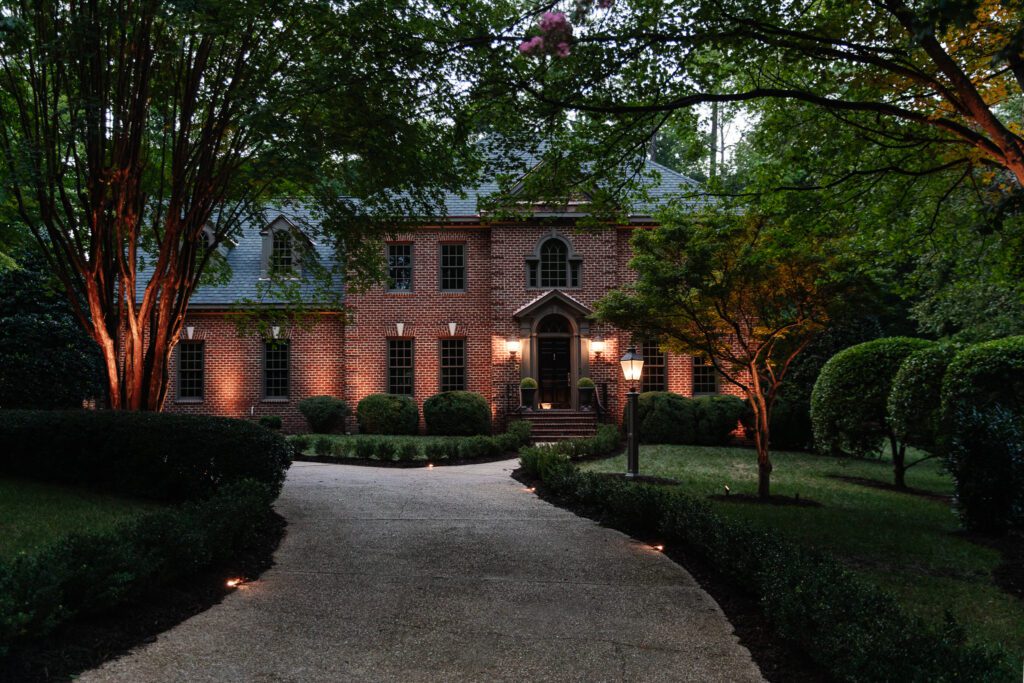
(136, 137)
(740, 288)
(938, 84)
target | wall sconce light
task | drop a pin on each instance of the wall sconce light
(598, 347)
(513, 346)
(189, 331)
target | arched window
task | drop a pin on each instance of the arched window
(554, 264)
(282, 260)
(553, 324)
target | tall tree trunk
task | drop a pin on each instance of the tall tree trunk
(714, 140)
(759, 404)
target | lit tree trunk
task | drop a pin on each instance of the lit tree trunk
(760, 404)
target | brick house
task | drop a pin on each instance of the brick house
(469, 304)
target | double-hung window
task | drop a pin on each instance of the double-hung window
(453, 364)
(453, 267)
(654, 376)
(705, 377)
(276, 375)
(399, 267)
(191, 357)
(400, 368)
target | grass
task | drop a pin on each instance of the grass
(34, 514)
(910, 545)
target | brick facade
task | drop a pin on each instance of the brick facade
(497, 305)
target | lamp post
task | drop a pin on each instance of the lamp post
(632, 365)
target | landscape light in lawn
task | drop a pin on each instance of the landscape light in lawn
(660, 548)
(234, 583)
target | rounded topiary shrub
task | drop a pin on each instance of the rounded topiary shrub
(850, 397)
(715, 418)
(664, 417)
(325, 414)
(916, 396)
(457, 413)
(388, 414)
(982, 431)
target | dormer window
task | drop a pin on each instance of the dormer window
(282, 260)
(553, 265)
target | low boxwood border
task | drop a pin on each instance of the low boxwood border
(383, 451)
(852, 629)
(87, 573)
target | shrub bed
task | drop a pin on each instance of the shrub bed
(666, 417)
(324, 414)
(388, 414)
(412, 449)
(457, 413)
(149, 455)
(88, 573)
(851, 628)
(717, 418)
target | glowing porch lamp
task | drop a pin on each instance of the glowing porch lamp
(513, 346)
(632, 365)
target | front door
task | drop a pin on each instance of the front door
(554, 372)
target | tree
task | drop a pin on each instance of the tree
(141, 134)
(941, 80)
(743, 289)
(48, 361)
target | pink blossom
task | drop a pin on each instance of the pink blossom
(562, 50)
(604, 4)
(553, 21)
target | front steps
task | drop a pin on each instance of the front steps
(559, 425)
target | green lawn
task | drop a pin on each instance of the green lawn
(908, 544)
(34, 514)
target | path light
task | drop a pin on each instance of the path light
(632, 365)
(660, 548)
(234, 583)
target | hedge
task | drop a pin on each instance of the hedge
(457, 413)
(915, 398)
(434, 450)
(86, 573)
(388, 414)
(850, 397)
(717, 418)
(150, 455)
(852, 629)
(667, 417)
(324, 414)
(983, 433)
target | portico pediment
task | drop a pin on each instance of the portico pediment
(554, 301)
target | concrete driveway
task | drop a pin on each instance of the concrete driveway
(447, 574)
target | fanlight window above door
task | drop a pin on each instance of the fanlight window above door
(554, 324)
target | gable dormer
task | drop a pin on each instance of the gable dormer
(283, 246)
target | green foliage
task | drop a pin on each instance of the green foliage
(665, 417)
(585, 383)
(528, 383)
(48, 361)
(408, 451)
(365, 448)
(325, 414)
(155, 455)
(849, 402)
(457, 413)
(271, 422)
(388, 414)
(916, 396)
(89, 572)
(322, 445)
(851, 629)
(716, 418)
(478, 447)
(385, 450)
(301, 442)
(983, 427)
(604, 442)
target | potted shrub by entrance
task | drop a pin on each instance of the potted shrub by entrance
(527, 391)
(585, 387)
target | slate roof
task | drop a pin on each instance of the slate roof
(244, 256)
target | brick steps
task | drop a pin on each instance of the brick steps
(558, 425)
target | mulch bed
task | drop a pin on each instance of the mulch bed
(751, 499)
(641, 478)
(887, 486)
(778, 660)
(404, 464)
(88, 642)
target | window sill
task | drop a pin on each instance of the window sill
(276, 399)
(188, 401)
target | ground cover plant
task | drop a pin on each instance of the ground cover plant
(906, 543)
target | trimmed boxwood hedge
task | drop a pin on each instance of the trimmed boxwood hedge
(983, 433)
(665, 417)
(87, 573)
(716, 418)
(850, 397)
(915, 398)
(388, 414)
(457, 413)
(324, 414)
(852, 629)
(151, 455)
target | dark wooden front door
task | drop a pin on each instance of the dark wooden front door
(554, 372)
